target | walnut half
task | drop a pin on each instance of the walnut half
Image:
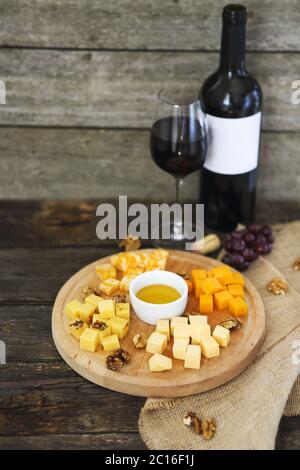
(209, 428)
(277, 286)
(296, 264)
(140, 340)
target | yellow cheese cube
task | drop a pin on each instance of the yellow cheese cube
(209, 347)
(206, 303)
(118, 326)
(89, 340)
(236, 290)
(209, 274)
(181, 332)
(163, 327)
(93, 299)
(223, 274)
(199, 332)
(192, 358)
(211, 285)
(109, 286)
(238, 278)
(86, 312)
(123, 310)
(72, 309)
(101, 327)
(159, 363)
(106, 309)
(238, 307)
(176, 321)
(106, 271)
(110, 343)
(196, 319)
(156, 343)
(222, 298)
(125, 282)
(179, 348)
(77, 328)
(221, 335)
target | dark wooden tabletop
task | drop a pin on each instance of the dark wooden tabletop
(43, 403)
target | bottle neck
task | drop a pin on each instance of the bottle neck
(233, 49)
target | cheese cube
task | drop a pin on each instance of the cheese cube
(106, 271)
(236, 290)
(176, 321)
(198, 288)
(206, 303)
(209, 347)
(89, 340)
(125, 282)
(72, 309)
(223, 274)
(163, 327)
(181, 332)
(156, 343)
(209, 274)
(123, 310)
(106, 309)
(179, 348)
(238, 278)
(110, 343)
(222, 298)
(197, 276)
(221, 335)
(109, 286)
(199, 332)
(192, 358)
(77, 328)
(86, 312)
(159, 363)
(93, 299)
(238, 307)
(211, 285)
(196, 319)
(118, 326)
(101, 327)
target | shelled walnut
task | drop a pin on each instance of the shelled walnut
(277, 286)
(118, 359)
(130, 243)
(140, 340)
(296, 264)
(231, 324)
(208, 428)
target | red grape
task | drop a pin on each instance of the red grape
(270, 238)
(236, 234)
(260, 238)
(238, 244)
(249, 254)
(252, 228)
(243, 267)
(226, 259)
(249, 238)
(266, 230)
(237, 259)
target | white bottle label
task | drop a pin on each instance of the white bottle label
(233, 144)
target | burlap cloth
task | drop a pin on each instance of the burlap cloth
(247, 409)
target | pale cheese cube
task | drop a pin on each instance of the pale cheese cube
(159, 363)
(176, 321)
(199, 332)
(119, 326)
(106, 271)
(196, 319)
(156, 343)
(86, 312)
(209, 347)
(110, 343)
(221, 335)
(106, 309)
(123, 310)
(179, 348)
(77, 328)
(89, 340)
(192, 358)
(163, 327)
(181, 332)
(93, 299)
(101, 327)
(109, 286)
(125, 282)
(72, 309)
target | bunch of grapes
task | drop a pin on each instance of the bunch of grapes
(245, 246)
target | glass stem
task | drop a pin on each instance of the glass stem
(177, 228)
(178, 182)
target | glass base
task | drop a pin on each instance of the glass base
(176, 239)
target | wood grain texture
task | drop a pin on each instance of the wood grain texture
(118, 89)
(72, 163)
(172, 24)
(135, 378)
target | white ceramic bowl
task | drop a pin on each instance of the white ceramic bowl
(150, 313)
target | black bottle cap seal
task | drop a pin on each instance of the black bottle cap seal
(234, 14)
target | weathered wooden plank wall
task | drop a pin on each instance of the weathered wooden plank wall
(82, 77)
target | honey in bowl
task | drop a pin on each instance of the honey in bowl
(158, 294)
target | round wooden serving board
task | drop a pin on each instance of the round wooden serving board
(135, 377)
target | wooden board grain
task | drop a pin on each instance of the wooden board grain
(135, 378)
(55, 160)
(119, 89)
(127, 24)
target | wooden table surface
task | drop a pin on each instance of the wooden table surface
(43, 403)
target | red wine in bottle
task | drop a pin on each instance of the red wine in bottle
(233, 100)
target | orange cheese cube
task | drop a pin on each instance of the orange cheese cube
(211, 285)
(238, 278)
(238, 307)
(197, 288)
(221, 299)
(236, 290)
(206, 303)
(198, 274)
(223, 274)
(209, 274)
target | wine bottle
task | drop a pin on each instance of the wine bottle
(233, 100)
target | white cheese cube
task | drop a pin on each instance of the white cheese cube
(163, 327)
(156, 343)
(159, 363)
(209, 347)
(179, 348)
(181, 331)
(176, 321)
(196, 319)
(199, 332)
(192, 357)
(221, 335)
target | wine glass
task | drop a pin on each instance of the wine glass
(178, 145)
